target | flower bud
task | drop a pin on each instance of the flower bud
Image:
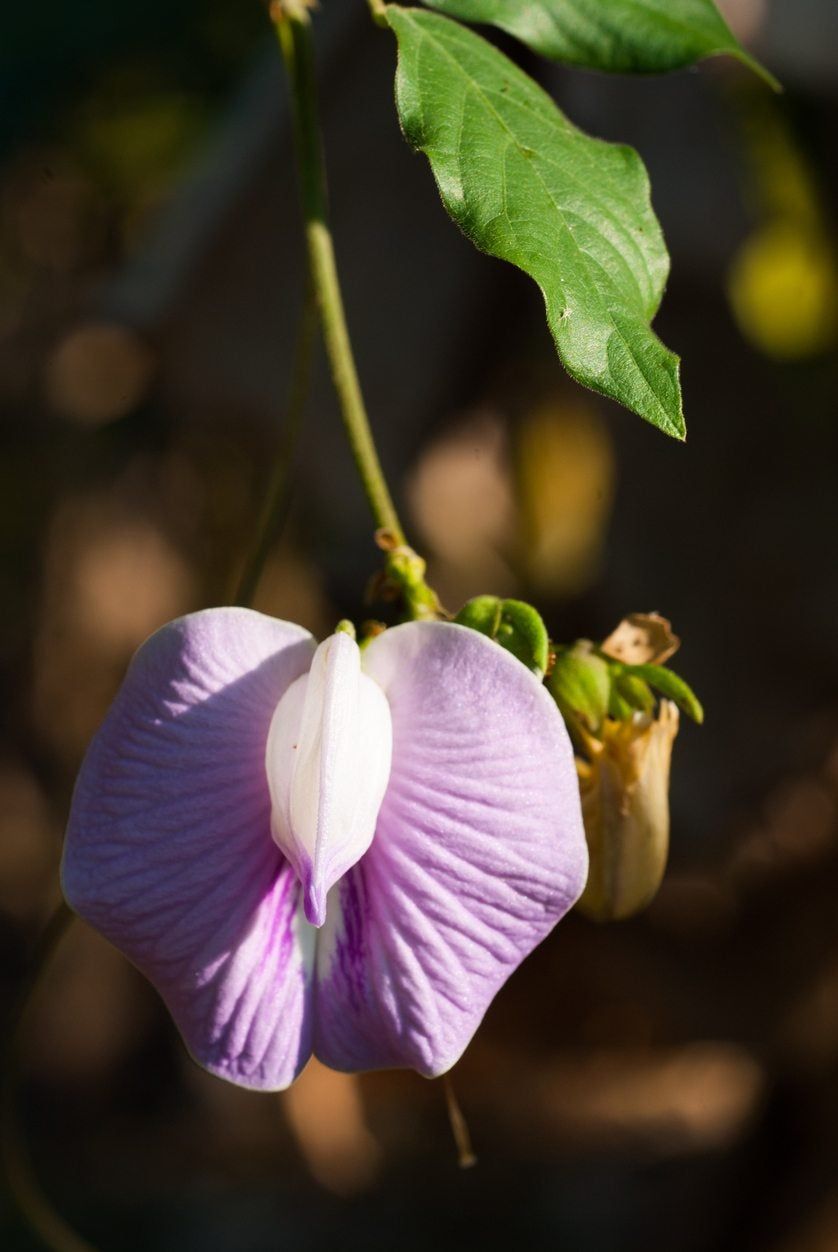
(625, 806)
(580, 684)
(516, 626)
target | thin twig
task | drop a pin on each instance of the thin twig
(278, 495)
(459, 1126)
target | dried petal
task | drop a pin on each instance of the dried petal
(642, 639)
(625, 804)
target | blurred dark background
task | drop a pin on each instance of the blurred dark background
(666, 1083)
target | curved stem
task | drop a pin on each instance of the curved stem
(277, 498)
(23, 1186)
(405, 570)
(295, 41)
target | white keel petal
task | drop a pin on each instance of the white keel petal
(328, 764)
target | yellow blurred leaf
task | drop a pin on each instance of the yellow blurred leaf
(783, 290)
(566, 486)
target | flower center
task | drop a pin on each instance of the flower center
(328, 764)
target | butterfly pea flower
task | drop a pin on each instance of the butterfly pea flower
(324, 849)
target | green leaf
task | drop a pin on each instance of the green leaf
(670, 686)
(639, 36)
(526, 186)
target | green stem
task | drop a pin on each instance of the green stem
(23, 1186)
(278, 493)
(377, 12)
(403, 566)
(295, 41)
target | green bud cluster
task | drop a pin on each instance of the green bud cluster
(589, 686)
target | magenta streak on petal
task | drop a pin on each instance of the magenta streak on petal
(314, 894)
(351, 953)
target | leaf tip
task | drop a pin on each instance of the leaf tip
(674, 423)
